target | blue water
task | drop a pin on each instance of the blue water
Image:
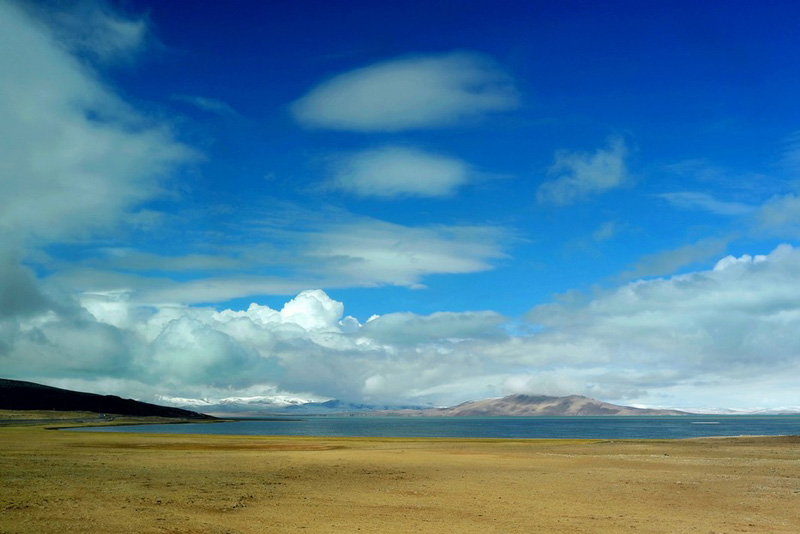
(663, 427)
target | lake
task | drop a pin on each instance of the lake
(628, 427)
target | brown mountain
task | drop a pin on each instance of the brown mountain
(19, 395)
(532, 405)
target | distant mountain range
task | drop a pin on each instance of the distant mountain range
(19, 395)
(264, 406)
(542, 405)
(513, 405)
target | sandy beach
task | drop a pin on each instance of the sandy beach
(61, 481)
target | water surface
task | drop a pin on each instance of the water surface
(628, 427)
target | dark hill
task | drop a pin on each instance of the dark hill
(19, 395)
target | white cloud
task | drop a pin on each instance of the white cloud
(408, 93)
(76, 161)
(391, 171)
(556, 382)
(780, 215)
(735, 325)
(669, 261)
(288, 253)
(189, 351)
(606, 231)
(19, 291)
(725, 336)
(411, 329)
(579, 175)
(94, 28)
(130, 259)
(704, 202)
(312, 310)
(730, 260)
(74, 157)
(306, 346)
(376, 252)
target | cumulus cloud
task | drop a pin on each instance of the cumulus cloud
(312, 310)
(392, 171)
(686, 340)
(75, 160)
(730, 260)
(307, 346)
(19, 291)
(62, 341)
(189, 352)
(408, 93)
(580, 175)
(734, 324)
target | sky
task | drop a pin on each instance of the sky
(402, 203)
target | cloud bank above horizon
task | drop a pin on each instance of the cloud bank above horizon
(731, 324)
(385, 226)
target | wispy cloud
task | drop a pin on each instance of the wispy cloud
(410, 329)
(791, 154)
(287, 253)
(393, 171)
(93, 28)
(74, 157)
(704, 202)
(779, 216)
(606, 231)
(209, 105)
(378, 252)
(580, 175)
(670, 261)
(408, 93)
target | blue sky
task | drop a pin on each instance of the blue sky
(403, 202)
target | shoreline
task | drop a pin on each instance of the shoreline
(69, 419)
(483, 428)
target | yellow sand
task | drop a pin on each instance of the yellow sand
(59, 481)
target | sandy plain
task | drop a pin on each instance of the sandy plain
(61, 481)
